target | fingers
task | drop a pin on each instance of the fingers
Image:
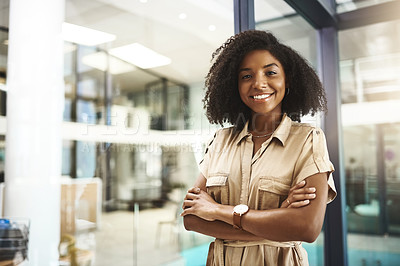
(299, 192)
(298, 200)
(297, 186)
(299, 204)
(187, 211)
(191, 196)
(299, 196)
(191, 192)
(305, 190)
(187, 204)
(285, 204)
(195, 190)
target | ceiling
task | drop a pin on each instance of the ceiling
(188, 43)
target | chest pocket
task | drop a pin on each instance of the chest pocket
(271, 193)
(217, 187)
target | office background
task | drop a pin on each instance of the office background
(134, 128)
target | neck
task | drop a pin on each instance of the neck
(260, 124)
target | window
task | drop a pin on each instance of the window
(369, 63)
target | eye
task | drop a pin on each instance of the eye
(271, 72)
(246, 76)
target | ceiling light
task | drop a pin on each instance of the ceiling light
(100, 61)
(85, 36)
(182, 16)
(212, 28)
(140, 56)
(143, 1)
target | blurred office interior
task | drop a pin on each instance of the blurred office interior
(134, 128)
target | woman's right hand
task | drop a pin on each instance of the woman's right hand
(299, 196)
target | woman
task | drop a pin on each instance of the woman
(262, 88)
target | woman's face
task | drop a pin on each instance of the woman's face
(261, 82)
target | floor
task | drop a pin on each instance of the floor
(126, 239)
(151, 238)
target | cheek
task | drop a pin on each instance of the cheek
(242, 92)
(280, 85)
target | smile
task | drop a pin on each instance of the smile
(261, 96)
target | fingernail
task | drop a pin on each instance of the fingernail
(197, 190)
(312, 195)
(306, 201)
(312, 189)
(302, 182)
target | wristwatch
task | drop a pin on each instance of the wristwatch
(238, 212)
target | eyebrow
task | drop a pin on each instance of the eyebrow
(266, 66)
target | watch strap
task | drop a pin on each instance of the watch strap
(237, 221)
(238, 212)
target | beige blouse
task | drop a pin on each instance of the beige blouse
(294, 152)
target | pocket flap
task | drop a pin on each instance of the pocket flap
(270, 184)
(216, 180)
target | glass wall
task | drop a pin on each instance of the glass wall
(144, 125)
(369, 67)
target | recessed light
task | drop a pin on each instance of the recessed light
(182, 16)
(85, 36)
(100, 61)
(212, 28)
(140, 56)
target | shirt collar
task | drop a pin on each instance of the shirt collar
(244, 133)
(281, 132)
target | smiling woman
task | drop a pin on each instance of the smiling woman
(261, 84)
(265, 181)
(222, 100)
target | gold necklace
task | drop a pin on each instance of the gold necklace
(262, 136)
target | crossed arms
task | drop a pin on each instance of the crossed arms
(299, 220)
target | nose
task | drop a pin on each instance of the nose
(260, 82)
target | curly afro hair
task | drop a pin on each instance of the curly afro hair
(222, 100)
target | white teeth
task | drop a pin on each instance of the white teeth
(262, 96)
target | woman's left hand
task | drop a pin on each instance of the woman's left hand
(198, 202)
(299, 196)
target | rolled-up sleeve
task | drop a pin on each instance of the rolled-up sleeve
(313, 159)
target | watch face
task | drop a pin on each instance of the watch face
(240, 209)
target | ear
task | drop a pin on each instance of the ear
(287, 91)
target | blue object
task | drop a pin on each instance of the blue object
(5, 223)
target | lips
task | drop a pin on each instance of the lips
(262, 96)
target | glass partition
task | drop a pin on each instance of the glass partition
(370, 106)
(391, 145)
(147, 120)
